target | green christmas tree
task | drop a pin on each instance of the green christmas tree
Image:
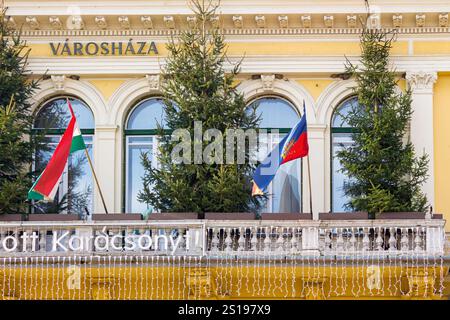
(383, 170)
(197, 87)
(16, 142)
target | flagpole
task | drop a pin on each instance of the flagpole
(93, 173)
(95, 178)
(310, 189)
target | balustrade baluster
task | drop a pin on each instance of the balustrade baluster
(294, 239)
(254, 239)
(42, 239)
(340, 239)
(280, 240)
(366, 240)
(352, 241)
(392, 239)
(228, 241)
(267, 241)
(404, 239)
(215, 240)
(241, 241)
(380, 240)
(328, 240)
(417, 241)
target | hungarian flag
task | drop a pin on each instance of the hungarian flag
(293, 146)
(47, 183)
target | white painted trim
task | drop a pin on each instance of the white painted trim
(81, 89)
(126, 96)
(304, 65)
(288, 89)
(136, 7)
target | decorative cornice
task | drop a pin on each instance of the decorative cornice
(284, 21)
(328, 21)
(147, 22)
(347, 19)
(443, 20)
(421, 82)
(374, 21)
(32, 22)
(420, 20)
(306, 21)
(238, 22)
(191, 21)
(100, 21)
(238, 31)
(351, 21)
(169, 22)
(124, 22)
(397, 20)
(215, 21)
(260, 21)
(55, 22)
(75, 22)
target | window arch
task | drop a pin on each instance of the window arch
(278, 116)
(140, 137)
(75, 192)
(341, 137)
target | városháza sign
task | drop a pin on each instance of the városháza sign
(105, 48)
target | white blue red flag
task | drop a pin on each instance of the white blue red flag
(293, 146)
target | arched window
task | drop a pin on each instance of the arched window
(75, 192)
(140, 137)
(341, 137)
(279, 115)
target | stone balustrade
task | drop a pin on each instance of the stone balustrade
(219, 238)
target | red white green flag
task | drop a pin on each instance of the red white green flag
(47, 183)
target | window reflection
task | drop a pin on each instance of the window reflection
(75, 191)
(141, 137)
(341, 138)
(284, 193)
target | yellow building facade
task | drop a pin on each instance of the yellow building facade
(107, 56)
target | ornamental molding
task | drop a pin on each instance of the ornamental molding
(32, 22)
(283, 21)
(238, 22)
(306, 21)
(55, 22)
(443, 20)
(154, 81)
(100, 21)
(266, 64)
(352, 21)
(233, 32)
(267, 81)
(147, 22)
(81, 89)
(58, 82)
(328, 21)
(124, 22)
(397, 20)
(260, 21)
(421, 82)
(169, 22)
(420, 20)
(75, 22)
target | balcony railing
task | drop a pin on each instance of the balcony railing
(219, 238)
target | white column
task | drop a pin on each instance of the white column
(105, 164)
(421, 84)
(316, 139)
